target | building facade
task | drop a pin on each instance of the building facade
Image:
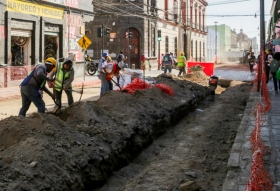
(181, 25)
(213, 45)
(35, 30)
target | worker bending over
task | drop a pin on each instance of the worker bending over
(31, 86)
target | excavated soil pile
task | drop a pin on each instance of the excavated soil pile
(80, 147)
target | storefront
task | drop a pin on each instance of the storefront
(20, 46)
(33, 31)
(52, 36)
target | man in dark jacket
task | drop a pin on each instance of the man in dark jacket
(167, 62)
(30, 89)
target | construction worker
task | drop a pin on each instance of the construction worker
(213, 83)
(63, 78)
(167, 62)
(182, 64)
(105, 87)
(31, 87)
(112, 70)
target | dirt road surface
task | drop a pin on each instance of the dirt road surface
(145, 141)
(11, 107)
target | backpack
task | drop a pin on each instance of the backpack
(119, 58)
(274, 66)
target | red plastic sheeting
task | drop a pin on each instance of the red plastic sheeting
(165, 88)
(208, 67)
(136, 84)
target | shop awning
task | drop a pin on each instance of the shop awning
(23, 33)
(51, 33)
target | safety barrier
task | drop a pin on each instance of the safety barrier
(259, 177)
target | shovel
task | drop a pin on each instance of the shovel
(117, 85)
(56, 107)
(78, 91)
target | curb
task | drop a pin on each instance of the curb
(239, 162)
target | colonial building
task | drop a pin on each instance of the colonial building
(148, 27)
(243, 41)
(32, 31)
(213, 45)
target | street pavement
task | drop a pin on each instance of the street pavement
(239, 163)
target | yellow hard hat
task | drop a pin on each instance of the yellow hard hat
(109, 58)
(51, 61)
(182, 53)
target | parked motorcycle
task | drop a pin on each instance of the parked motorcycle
(91, 67)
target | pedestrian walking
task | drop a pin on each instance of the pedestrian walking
(274, 67)
(32, 87)
(63, 77)
(143, 62)
(120, 58)
(167, 61)
(173, 58)
(268, 58)
(160, 65)
(182, 64)
(252, 60)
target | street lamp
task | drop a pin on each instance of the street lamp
(216, 42)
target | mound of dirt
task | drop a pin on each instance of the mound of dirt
(80, 147)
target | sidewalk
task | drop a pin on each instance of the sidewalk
(240, 161)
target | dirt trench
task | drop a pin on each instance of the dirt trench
(192, 155)
(85, 144)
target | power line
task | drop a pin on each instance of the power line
(226, 2)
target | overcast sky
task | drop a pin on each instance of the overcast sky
(249, 24)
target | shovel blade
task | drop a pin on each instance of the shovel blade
(55, 108)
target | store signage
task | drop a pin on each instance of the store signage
(68, 3)
(113, 35)
(34, 9)
(84, 42)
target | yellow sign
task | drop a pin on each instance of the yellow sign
(84, 42)
(34, 9)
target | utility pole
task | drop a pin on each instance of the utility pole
(262, 43)
(216, 42)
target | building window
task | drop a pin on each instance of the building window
(153, 41)
(175, 44)
(192, 49)
(196, 50)
(166, 9)
(203, 49)
(166, 44)
(200, 51)
(191, 15)
(195, 16)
